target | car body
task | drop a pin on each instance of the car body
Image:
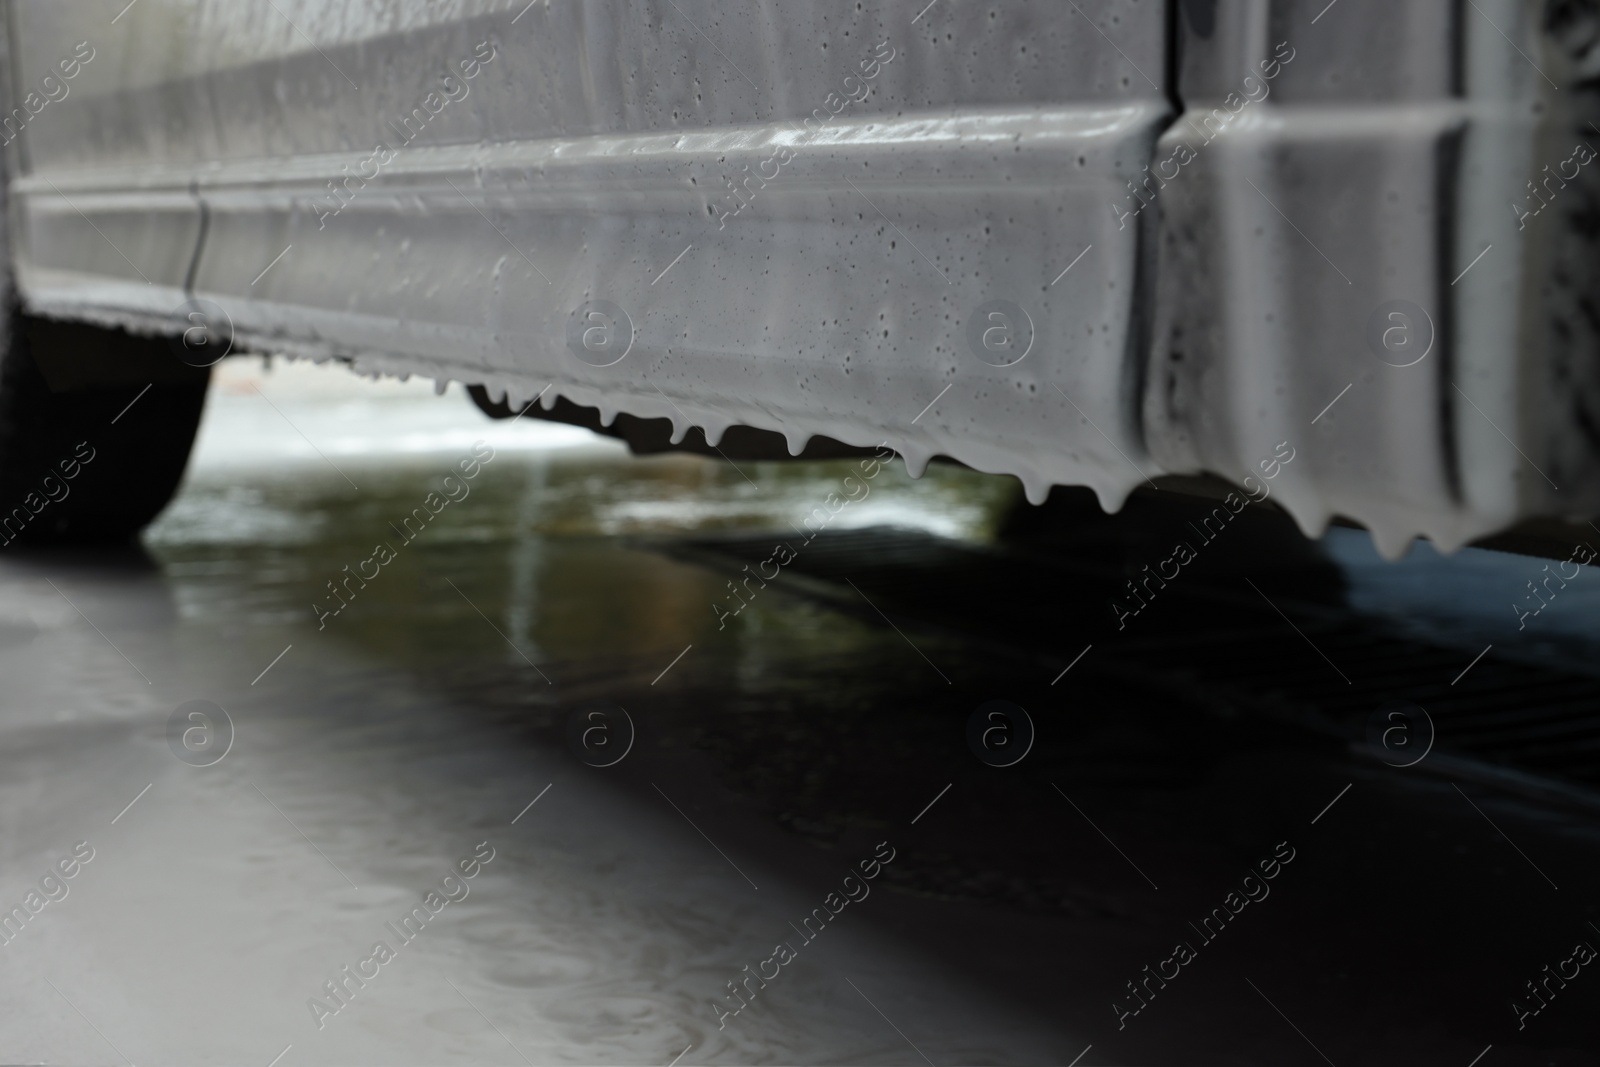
(1082, 243)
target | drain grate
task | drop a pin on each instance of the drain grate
(1213, 638)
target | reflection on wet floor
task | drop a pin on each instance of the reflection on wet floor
(396, 712)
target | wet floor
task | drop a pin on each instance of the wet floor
(612, 779)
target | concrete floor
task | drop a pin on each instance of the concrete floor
(413, 730)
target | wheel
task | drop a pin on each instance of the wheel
(95, 429)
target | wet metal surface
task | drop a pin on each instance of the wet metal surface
(652, 793)
(924, 223)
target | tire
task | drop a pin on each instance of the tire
(95, 429)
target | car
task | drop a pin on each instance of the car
(1111, 243)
